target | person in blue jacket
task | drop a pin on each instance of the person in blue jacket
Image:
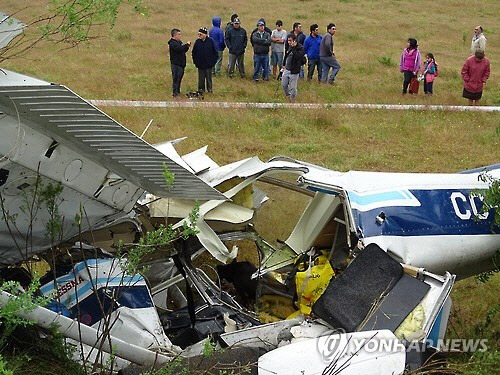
(311, 48)
(217, 35)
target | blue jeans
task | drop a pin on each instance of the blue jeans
(277, 59)
(260, 62)
(327, 63)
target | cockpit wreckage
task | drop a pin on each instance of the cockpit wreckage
(372, 258)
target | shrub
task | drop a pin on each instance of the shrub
(386, 60)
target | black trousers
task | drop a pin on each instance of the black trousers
(236, 60)
(408, 76)
(205, 76)
(177, 74)
(428, 87)
(314, 63)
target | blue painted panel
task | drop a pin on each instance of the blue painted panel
(433, 336)
(89, 310)
(436, 215)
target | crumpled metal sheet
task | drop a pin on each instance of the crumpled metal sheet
(9, 29)
(58, 112)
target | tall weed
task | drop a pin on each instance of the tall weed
(386, 60)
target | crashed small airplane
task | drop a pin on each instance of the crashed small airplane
(372, 258)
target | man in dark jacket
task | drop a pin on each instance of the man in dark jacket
(327, 55)
(217, 35)
(236, 41)
(261, 41)
(230, 24)
(177, 60)
(301, 37)
(257, 28)
(293, 61)
(311, 48)
(205, 56)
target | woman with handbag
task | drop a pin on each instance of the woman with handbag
(410, 66)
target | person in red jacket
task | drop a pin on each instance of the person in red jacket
(475, 73)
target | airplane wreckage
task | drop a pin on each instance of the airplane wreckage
(372, 258)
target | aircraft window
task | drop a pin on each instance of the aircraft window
(23, 186)
(4, 174)
(51, 149)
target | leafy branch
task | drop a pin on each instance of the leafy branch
(491, 196)
(161, 239)
(67, 22)
(23, 301)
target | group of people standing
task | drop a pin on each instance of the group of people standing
(288, 53)
(475, 71)
(205, 56)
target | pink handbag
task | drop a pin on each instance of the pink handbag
(429, 77)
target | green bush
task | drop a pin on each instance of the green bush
(386, 60)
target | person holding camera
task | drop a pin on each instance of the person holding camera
(293, 61)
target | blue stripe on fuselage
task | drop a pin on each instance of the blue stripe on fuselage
(363, 200)
(442, 212)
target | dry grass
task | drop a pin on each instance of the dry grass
(339, 139)
(132, 63)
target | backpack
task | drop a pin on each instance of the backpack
(436, 73)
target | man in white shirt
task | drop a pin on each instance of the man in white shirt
(478, 41)
(278, 37)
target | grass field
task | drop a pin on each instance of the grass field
(131, 63)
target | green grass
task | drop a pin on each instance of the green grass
(132, 64)
(366, 32)
(476, 314)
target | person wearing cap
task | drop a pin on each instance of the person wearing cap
(278, 38)
(478, 41)
(327, 55)
(257, 29)
(230, 25)
(205, 56)
(261, 41)
(263, 21)
(236, 41)
(177, 60)
(217, 35)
